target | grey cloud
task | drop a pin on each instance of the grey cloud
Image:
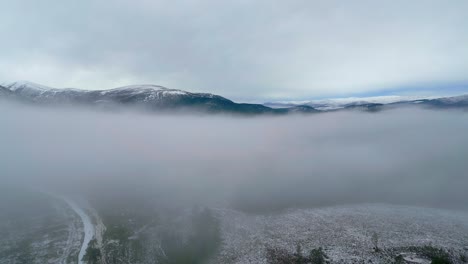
(408, 157)
(240, 49)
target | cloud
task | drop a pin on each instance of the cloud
(415, 157)
(240, 49)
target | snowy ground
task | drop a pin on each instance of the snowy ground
(344, 232)
(50, 230)
(36, 228)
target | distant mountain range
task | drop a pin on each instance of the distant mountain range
(161, 99)
(377, 103)
(147, 97)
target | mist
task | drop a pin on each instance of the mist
(255, 164)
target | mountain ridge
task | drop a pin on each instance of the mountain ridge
(162, 99)
(145, 96)
(378, 103)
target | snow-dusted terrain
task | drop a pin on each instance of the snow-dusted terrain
(343, 231)
(155, 97)
(37, 228)
(60, 231)
(390, 100)
(144, 96)
(339, 103)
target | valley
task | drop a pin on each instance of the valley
(345, 234)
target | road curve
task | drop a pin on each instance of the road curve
(88, 227)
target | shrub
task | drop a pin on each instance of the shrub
(399, 259)
(282, 256)
(437, 255)
(318, 256)
(279, 256)
(93, 254)
(375, 241)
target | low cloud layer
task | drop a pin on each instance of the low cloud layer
(261, 163)
(240, 49)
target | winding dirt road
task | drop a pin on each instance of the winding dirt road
(88, 227)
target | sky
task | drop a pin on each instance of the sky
(243, 50)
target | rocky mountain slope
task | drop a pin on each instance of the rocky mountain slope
(148, 97)
(162, 99)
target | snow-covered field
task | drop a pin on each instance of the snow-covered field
(343, 231)
(50, 230)
(36, 228)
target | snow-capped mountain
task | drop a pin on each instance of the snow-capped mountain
(159, 98)
(339, 103)
(4, 91)
(147, 96)
(445, 102)
(376, 102)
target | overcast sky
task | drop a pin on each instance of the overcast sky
(248, 49)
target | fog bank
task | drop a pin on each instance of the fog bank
(416, 157)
